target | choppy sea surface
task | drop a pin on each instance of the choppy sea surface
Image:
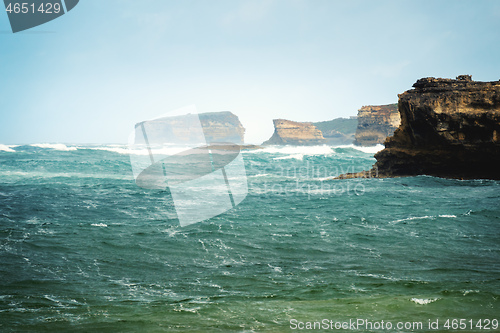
(83, 248)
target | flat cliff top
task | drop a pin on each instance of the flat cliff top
(461, 83)
(449, 128)
(379, 109)
(221, 117)
(294, 133)
(285, 122)
(223, 126)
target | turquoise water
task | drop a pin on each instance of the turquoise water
(82, 248)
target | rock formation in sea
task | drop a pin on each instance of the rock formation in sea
(376, 123)
(338, 131)
(221, 126)
(449, 128)
(287, 132)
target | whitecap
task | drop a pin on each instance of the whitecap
(7, 148)
(62, 175)
(413, 218)
(55, 146)
(294, 150)
(140, 150)
(172, 231)
(423, 301)
(368, 150)
(294, 156)
(118, 150)
(423, 218)
(104, 225)
(181, 308)
(377, 276)
(260, 175)
(277, 269)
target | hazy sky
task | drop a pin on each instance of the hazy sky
(89, 75)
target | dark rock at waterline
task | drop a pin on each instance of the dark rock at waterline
(449, 128)
(376, 123)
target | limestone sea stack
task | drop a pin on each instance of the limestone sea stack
(287, 132)
(449, 128)
(376, 123)
(221, 126)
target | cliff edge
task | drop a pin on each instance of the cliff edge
(376, 123)
(221, 126)
(287, 132)
(449, 128)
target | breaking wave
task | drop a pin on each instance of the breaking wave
(55, 146)
(7, 148)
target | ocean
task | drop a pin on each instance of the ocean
(83, 248)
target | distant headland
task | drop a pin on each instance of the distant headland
(373, 124)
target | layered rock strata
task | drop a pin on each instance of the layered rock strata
(376, 123)
(287, 132)
(217, 127)
(449, 128)
(222, 126)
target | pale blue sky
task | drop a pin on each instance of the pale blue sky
(88, 76)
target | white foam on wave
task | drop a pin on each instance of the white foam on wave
(423, 301)
(299, 152)
(7, 148)
(290, 157)
(260, 175)
(140, 151)
(55, 146)
(37, 174)
(118, 150)
(367, 150)
(414, 218)
(104, 225)
(294, 150)
(431, 217)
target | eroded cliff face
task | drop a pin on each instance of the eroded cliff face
(287, 132)
(449, 128)
(222, 127)
(376, 123)
(217, 127)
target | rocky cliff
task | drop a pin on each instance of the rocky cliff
(449, 128)
(288, 132)
(222, 127)
(217, 127)
(338, 131)
(376, 123)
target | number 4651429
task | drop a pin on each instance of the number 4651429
(25, 8)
